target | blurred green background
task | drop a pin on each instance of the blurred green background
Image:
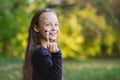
(89, 37)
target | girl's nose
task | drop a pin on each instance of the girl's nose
(53, 28)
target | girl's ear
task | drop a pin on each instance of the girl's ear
(36, 28)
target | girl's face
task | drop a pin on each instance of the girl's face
(48, 22)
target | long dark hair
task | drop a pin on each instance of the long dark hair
(33, 41)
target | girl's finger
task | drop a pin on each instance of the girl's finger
(47, 34)
(50, 47)
(57, 49)
(54, 47)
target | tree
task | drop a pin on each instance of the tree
(15, 19)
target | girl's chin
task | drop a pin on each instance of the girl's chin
(52, 39)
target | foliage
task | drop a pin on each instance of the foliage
(15, 19)
(84, 31)
(11, 20)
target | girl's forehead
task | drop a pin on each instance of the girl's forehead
(48, 16)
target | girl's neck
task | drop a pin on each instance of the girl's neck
(43, 43)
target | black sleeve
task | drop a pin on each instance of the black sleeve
(47, 64)
(57, 65)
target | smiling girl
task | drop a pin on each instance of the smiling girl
(43, 58)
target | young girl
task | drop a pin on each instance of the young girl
(43, 60)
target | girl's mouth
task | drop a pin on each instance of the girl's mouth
(53, 34)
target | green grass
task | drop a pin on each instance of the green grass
(10, 69)
(92, 69)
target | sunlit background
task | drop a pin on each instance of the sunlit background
(89, 37)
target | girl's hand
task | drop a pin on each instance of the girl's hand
(52, 47)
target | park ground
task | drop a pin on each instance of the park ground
(91, 69)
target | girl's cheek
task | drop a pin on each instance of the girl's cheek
(47, 28)
(58, 30)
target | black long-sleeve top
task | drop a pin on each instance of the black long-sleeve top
(46, 65)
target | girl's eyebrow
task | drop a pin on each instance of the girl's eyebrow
(49, 22)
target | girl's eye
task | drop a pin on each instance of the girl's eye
(56, 25)
(47, 24)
